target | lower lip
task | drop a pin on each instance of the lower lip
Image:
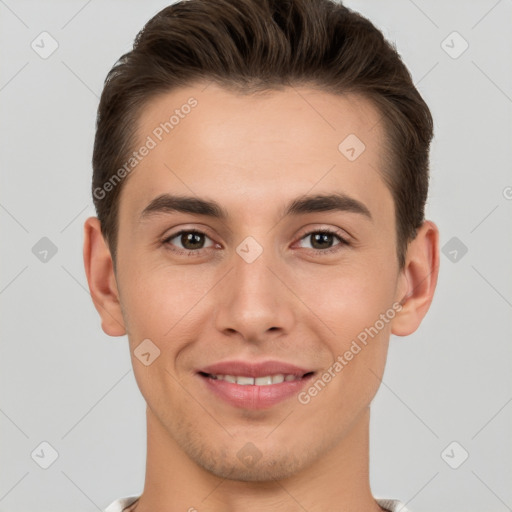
(252, 396)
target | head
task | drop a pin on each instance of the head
(249, 47)
(267, 113)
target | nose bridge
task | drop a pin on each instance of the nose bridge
(251, 272)
(252, 279)
(253, 299)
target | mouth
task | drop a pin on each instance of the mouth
(266, 380)
(254, 393)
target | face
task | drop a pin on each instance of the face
(261, 283)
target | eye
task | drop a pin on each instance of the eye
(321, 241)
(191, 240)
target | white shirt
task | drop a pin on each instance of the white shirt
(387, 504)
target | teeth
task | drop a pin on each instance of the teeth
(244, 380)
(258, 381)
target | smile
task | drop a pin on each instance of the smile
(246, 392)
(267, 380)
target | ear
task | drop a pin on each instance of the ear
(101, 278)
(418, 280)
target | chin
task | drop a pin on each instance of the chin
(262, 470)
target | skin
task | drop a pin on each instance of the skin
(253, 154)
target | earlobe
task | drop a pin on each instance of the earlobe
(101, 279)
(419, 279)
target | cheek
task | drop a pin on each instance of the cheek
(356, 303)
(350, 298)
(162, 304)
(360, 315)
(159, 298)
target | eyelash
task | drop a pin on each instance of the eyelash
(198, 252)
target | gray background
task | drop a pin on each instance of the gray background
(65, 382)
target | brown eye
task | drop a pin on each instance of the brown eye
(322, 241)
(191, 240)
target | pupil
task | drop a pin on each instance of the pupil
(322, 237)
(191, 238)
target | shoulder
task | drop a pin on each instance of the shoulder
(120, 504)
(391, 505)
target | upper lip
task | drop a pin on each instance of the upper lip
(261, 369)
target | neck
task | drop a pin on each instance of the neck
(337, 481)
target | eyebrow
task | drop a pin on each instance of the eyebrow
(168, 203)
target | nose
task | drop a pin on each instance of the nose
(253, 299)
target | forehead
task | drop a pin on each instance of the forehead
(251, 152)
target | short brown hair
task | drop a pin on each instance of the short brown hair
(257, 45)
